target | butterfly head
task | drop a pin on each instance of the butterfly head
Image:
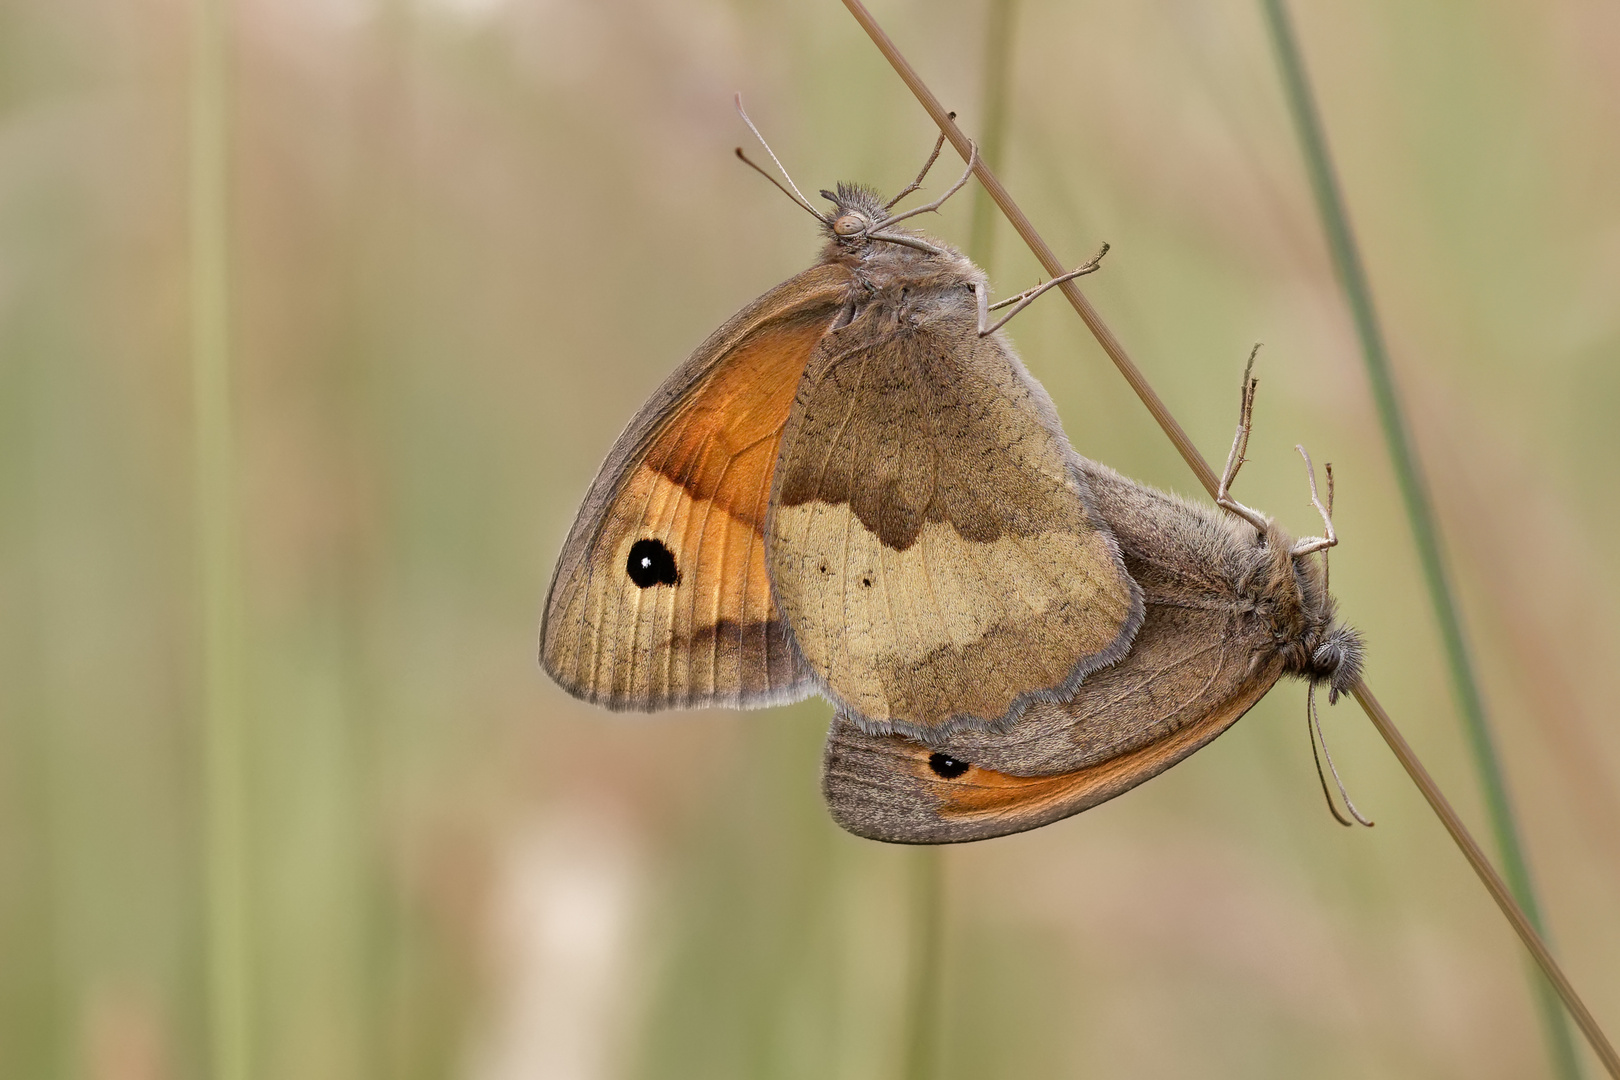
(1336, 660)
(857, 213)
(1317, 645)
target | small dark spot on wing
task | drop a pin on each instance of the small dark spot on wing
(651, 563)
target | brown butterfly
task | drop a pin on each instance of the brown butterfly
(852, 487)
(1233, 604)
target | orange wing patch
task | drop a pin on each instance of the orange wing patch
(722, 447)
(978, 793)
(691, 482)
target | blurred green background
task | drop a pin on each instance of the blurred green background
(468, 238)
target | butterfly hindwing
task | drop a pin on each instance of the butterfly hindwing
(1203, 656)
(975, 785)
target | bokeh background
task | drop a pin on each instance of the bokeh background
(468, 238)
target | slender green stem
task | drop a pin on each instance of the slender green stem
(1002, 17)
(1358, 294)
(923, 1028)
(224, 720)
(926, 946)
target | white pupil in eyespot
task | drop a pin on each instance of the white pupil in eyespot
(651, 564)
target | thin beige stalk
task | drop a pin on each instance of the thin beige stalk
(1206, 476)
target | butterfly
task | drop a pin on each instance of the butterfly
(1233, 603)
(853, 487)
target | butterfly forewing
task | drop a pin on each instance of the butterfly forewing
(930, 542)
(661, 597)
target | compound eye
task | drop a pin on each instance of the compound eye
(849, 225)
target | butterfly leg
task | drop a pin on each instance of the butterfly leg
(912, 241)
(973, 161)
(939, 144)
(1240, 448)
(1027, 297)
(1317, 543)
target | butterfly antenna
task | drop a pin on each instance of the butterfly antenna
(1316, 736)
(796, 195)
(744, 159)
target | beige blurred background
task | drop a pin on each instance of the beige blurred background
(468, 239)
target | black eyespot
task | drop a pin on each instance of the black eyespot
(947, 766)
(651, 563)
(866, 583)
(823, 568)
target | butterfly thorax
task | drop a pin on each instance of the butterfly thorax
(907, 286)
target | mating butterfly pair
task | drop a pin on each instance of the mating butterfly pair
(855, 488)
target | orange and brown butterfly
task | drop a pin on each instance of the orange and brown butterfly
(853, 487)
(1233, 603)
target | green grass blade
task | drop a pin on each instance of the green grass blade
(1358, 294)
(926, 945)
(1002, 20)
(225, 801)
